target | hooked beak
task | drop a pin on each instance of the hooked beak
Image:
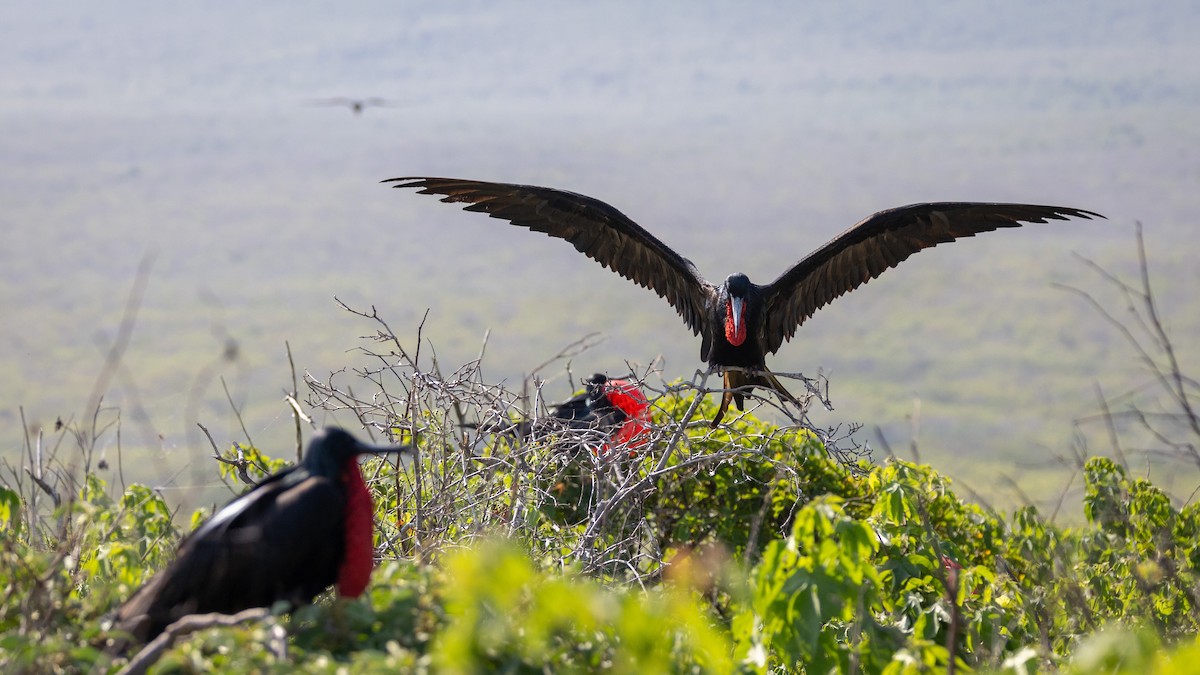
(736, 305)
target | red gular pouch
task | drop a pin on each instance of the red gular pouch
(634, 432)
(355, 571)
(735, 321)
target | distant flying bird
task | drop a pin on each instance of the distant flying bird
(356, 105)
(739, 322)
(614, 409)
(289, 538)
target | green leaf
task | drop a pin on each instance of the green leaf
(10, 505)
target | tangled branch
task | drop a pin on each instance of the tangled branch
(499, 460)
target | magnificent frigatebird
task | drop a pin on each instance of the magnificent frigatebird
(739, 322)
(613, 411)
(289, 538)
(620, 403)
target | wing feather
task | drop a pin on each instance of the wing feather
(594, 228)
(878, 243)
(278, 542)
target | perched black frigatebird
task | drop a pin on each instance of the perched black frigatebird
(613, 409)
(739, 322)
(289, 538)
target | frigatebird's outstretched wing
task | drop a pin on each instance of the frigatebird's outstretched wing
(877, 243)
(597, 230)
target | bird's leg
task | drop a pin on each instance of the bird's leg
(740, 382)
(727, 394)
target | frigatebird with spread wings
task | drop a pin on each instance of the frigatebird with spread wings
(738, 321)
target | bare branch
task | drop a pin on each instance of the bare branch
(236, 412)
(496, 458)
(241, 463)
(124, 333)
(1157, 352)
(46, 487)
(291, 399)
(192, 623)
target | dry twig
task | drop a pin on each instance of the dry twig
(192, 623)
(475, 469)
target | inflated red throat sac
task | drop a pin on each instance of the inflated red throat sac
(735, 321)
(355, 571)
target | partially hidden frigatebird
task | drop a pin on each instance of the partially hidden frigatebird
(622, 406)
(612, 412)
(739, 322)
(289, 538)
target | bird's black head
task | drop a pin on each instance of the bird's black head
(331, 447)
(735, 303)
(595, 385)
(738, 285)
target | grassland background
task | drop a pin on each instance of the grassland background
(742, 135)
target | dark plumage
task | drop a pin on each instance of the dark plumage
(356, 105)
(609, 411)
(591, 409)
(739, 322)
(289, 538)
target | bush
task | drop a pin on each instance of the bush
(749, 549)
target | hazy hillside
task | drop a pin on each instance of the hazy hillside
(742, 136)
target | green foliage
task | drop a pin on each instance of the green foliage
(10, 506)
(623, 515)
(752, 491)
(749, 550)
(1139, 560)
(927, 577)
(1125, 651)
(61, 574)
(810, 591)
(503, 615)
